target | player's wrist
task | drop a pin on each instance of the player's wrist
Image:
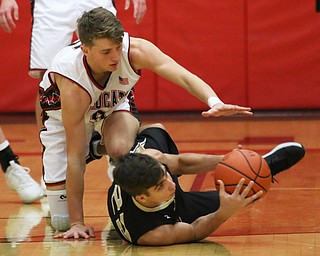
(77, 224)
(213, 100)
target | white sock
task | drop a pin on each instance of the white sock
(95, 147)
(110, 168)
(58, 206)
(4, 144)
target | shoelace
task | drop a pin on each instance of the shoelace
(21, 176)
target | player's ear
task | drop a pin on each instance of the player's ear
(85, 49)
(141, 198)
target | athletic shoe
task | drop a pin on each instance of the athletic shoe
(284, 156)
(95, 138)
(18, 179)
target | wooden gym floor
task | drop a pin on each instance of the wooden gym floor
(285, 222)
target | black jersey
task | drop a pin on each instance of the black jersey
(132, 220)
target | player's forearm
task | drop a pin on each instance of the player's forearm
(206, 225)
(75, 189)
(198, 88)
(190, 163)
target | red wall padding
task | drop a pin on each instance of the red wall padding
(18, 92)
(264, 54)
(283, 54)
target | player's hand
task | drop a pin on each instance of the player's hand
(230, 204)
(9, 13)
(140, 8)
(77, 231)
(221, 109)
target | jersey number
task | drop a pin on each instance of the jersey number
(116, 205)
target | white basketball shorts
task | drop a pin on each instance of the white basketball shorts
(53, 27)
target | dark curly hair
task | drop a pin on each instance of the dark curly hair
(135, 173)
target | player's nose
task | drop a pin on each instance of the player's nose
(172, 186)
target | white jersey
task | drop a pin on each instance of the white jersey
(70, 62)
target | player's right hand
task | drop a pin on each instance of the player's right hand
(221, 109)
(9, 13)
(77, 231)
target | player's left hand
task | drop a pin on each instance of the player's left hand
(77, 231)
(230, 204)
(221, 109)
(140, 8)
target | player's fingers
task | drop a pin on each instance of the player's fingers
(247, 189)
(240, 146)
(221, 186)
(140, 11)
(239, 186)
(4, 23)
(10, 20)
(91, 232)
(58, 235)
(254, 197)
(247, 113)
(127, 4)
(16, 13)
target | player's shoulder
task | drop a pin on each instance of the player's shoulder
(70, 50)
(68, 55)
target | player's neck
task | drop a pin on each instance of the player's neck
(148, 205)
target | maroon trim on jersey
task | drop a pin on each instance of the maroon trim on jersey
(81, 87)
(55, 184)
(96, 84)
(42, 70)
(138, 72)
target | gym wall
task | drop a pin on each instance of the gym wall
(262, 54)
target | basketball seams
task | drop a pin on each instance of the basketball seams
(249, 165)
(251, 168)
(243, 174)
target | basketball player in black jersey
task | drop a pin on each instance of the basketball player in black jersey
(147, 205)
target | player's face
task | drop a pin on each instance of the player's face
(164, 190)
(104, 55)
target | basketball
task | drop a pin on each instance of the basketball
(242, 163)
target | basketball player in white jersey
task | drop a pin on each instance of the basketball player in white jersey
(53, 26)
(85, 89)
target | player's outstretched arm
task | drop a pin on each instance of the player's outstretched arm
(203, 226)
(9, 13)
(185, 163)
(144, 54)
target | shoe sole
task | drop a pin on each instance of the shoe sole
(31, 200)
(281, 146)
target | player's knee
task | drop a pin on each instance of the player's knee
(159, 125)
(118, 150)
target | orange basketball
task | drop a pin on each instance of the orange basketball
(242, 163)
